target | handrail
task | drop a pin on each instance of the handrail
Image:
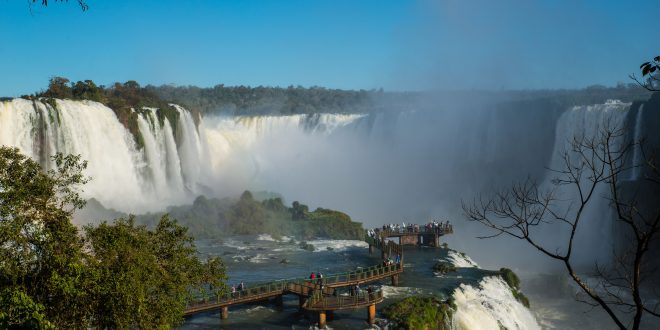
(319, 301)
(279, 286)
(441, 230)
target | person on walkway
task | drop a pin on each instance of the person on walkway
(397, 259)
(311, 276)
(233, 291)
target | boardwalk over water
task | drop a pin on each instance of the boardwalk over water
(319, 295)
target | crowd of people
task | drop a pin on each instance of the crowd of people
(432, 225)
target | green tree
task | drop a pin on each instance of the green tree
(58, 87)
(118, 276)
(43, 274)
(144, 277)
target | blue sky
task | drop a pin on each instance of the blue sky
(397, 45)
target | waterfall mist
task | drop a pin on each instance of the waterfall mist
(385, 166)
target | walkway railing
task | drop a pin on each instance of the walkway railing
(256, 292)
(321, 302)
(440, 230)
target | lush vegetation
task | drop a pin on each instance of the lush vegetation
(420, 313)
(244, 100)
(444, 267)
(116, 275)
(514, 282)
(127, 100)
(212, 218)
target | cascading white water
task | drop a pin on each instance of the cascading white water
(123, 177)
(595, 235)
(168, 169)
(635, 174)
(490, 306)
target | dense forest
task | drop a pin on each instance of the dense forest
(260, 100)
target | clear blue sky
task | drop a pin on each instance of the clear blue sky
(397, 45)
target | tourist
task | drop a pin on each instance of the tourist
(233, 291)
(311, 276)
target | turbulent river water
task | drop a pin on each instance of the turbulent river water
(483, 300)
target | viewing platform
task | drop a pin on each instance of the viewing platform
(424, 235)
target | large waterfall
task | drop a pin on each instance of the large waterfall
(168, 168)
(378, 166)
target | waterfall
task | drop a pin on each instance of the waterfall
(168, 168)
(490, 306)
(124, 177)
(595, 237)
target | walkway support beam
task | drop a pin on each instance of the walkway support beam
(224, 313)
(371, 314)
(322, 321)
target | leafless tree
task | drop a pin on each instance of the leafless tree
(527, 210)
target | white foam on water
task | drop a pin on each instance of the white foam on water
(399, 291)
(490, 305)
(336, 244)
(461, 260)
(265, 237)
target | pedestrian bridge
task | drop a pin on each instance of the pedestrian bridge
(319, 295)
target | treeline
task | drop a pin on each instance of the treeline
(119, 275)
(127, 100)
(244, 100)
(213, 218)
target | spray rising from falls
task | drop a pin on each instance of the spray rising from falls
(380, 166)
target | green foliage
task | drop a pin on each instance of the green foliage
(306, 246)
(127, 100)
(144, 276)
(419, 313)
(244, 100)
(212, 218)
(20, 311)
(514, 283)
(86, 90)
(118, 276)
(444, 267)
(41, 252)
(510, 278)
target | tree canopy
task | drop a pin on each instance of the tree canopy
(115, 275)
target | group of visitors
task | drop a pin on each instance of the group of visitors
(433, 225)
(438, 226)
(236, 289)
(390, 262)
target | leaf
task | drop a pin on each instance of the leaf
(643, 64)
(645, 70)
(657, 58)
(653, 69)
